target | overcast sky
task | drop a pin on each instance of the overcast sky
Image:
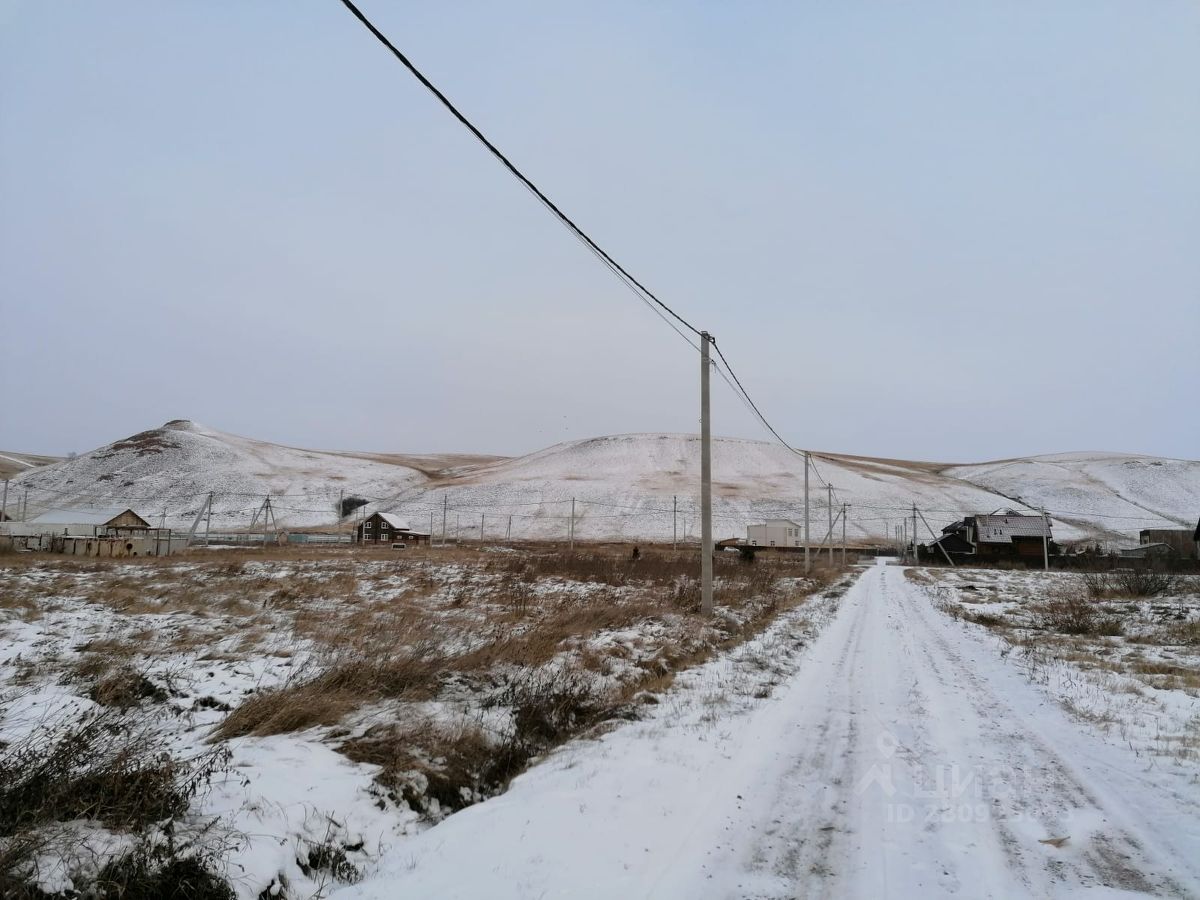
(952, 231)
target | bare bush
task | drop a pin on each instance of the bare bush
(1130, 583)
(99, 768)
(1072, 613)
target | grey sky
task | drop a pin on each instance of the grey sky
(952, 231)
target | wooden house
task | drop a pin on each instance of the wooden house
(388, 529)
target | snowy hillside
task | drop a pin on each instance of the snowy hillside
(1124, 492)
(624, 486)
(175, 466)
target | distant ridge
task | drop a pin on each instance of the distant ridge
(625, 486)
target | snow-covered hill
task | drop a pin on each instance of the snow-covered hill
(637, 486)
(174, 467)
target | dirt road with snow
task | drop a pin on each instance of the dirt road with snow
(901, 757)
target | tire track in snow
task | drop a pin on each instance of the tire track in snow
(1052, 796)
(912, 775)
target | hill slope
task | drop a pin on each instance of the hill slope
(635, 486)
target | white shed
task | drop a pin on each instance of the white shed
(775, 533)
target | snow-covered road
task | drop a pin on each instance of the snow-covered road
(902, 757)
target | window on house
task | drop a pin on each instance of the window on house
(366, 526)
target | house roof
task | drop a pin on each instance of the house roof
(395, 521)
(1141, 549)
(1002, 529)
(91, 516)
(777, 522)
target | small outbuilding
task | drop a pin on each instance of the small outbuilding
(388, 528)
(1150, 551)
(775, 533)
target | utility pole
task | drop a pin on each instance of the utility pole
(445, 504)
(806, 542)
(571, 527)
(1045, 541)
(430, 527)
(508, 532)
(4, 504)
(481, 517)
(25, 505)
(829, 506)
(903, 530)
(457, 528)
(208, 519)
(843, 535)
(341, 501)
(674, 522)
(916, 552)
(706, 562)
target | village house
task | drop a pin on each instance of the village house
(1180, 543)
(997, 536)
(388, 528)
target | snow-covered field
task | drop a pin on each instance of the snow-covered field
(910, 733)
(345, 702)
(638, 486)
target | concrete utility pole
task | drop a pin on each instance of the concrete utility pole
(445, 506)
(4, 504)
(916, 552)
(508, 532)
(829, 504)
(457, 528)
(675, 522)
(571, 527)
(843, 534)
(341, 501)
(1045, 541)
(25, 505)
(481, 518)
(806, 542)
(208, 519)
(706, 550)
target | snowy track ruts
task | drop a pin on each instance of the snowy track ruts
(955, 787)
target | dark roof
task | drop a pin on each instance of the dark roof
(1002, 529)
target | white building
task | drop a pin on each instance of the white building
(775, 533)
(90, 522)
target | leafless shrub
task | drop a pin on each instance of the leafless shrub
(102, 769)
(1130, 583)
(1071, 613)
(547, 707)
(126, 687)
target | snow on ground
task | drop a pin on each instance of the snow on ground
(903, 756)
(1136, 680)
(625, 487)
(207, 634)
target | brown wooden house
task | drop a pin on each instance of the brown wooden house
(388, 529)
(998, 536)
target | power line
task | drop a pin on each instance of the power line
(562, 217)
